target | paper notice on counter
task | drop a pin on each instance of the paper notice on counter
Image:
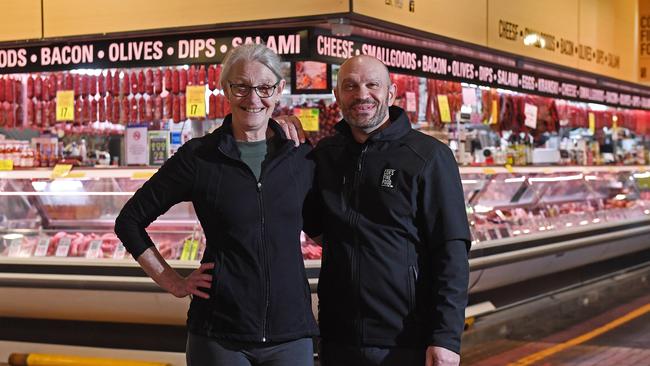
(120, 251)
(411, 102)
(63, 248)
(135, 141)
(94, 249)
(42, 247)
(531, 115)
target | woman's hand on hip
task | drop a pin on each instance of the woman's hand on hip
(194, 283)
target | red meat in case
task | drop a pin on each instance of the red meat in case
(30, 87)
(3, 117)
(10, 114)
(212, 106)
(117, 111)
(9, 90)
(133, 109)
(175, 81)
(176, 109)
(141, 82)
(134, 83)
(53, 85)
(38, 113)
(38, 87)
(85, 111)
(69, 82)
(191, 76)
(29, 108)
(19, 116)
(52, 113)
(125, 84)
(45, 89)
(115, 82)
(200, 79)
(92, 85)
(18, 92)
(101, 109)
(168, 101)
(148, 110)
(85, 85)
(101, 84)
(168, 80)
(212, 81)
(125, 108)
(158, 108)
(217, 76)
(46, 114)
(76, 85)
(109, 108)
(148, 82)
(157, 81)
(183, 107)
(94, 106)
(142, 105)
(2, 89)
(182, 80)
(220, 105)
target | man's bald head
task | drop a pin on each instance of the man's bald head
(364, 92)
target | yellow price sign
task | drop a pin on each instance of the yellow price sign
(143, 175)
(61, 170)
(494, 116)
(65, 105)
(190, 249)
(6, 164)
(489, 171)
(195, 105)
(592, 123)
(443, 104)
(509, 168)
(308, 117)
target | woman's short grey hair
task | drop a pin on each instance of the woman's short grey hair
(249, 53)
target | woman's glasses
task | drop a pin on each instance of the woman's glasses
(262, 91)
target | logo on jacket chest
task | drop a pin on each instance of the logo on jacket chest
(387, 178)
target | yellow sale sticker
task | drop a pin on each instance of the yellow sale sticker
(61, 170)
(65, 105)
(443, 104)
(308, 117)
(6, 164)
(195, 104)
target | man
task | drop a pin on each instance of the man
(394, 275)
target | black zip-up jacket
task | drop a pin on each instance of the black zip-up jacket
(259, 287)
(396, 238)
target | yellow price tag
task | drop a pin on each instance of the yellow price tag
(190, 249)
(6, 164)
(195, 105)
(489, 171)
(592, 123)
(142, 175)
(61, 170)
(509, 168)
(443, 104)
(65, 105)
(76, 175)
(494, 117)
(308, 117)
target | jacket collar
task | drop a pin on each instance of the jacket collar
(399, 125)
(227, 144)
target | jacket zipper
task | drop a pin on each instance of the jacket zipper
(266, 264)
(356, 261)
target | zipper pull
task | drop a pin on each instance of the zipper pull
(259, 186)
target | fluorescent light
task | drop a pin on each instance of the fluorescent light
(641, 175)
(516, 180)
(557, 179)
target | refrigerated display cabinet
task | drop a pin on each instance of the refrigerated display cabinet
(525, 222)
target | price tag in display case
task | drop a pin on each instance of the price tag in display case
(42, 247)
(120, 251)
(61, 170)
(14, 247)
(190, 249)
(6, 164)
(65, 105)
(158, 147)
(308, 117)
(94, 249)
(530, 111)
(411, 102)
(592, 123)
(443, 105)
(63, 248)
(195, 104)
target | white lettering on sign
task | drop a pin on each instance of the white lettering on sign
(281, 44)
(611, 97)
(485, 74)
(636, 101)
(508, 78)
(645, 102)
(13, 58)
(569, 90)
(548, 86)
(196, 48)
(334, 47)
(391, 57)
(597, 95)
(434, 65)
(462, 70)
(625, 100)
(528, 82)
(67, 55)
(135, 51)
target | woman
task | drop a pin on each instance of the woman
(251, 302)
